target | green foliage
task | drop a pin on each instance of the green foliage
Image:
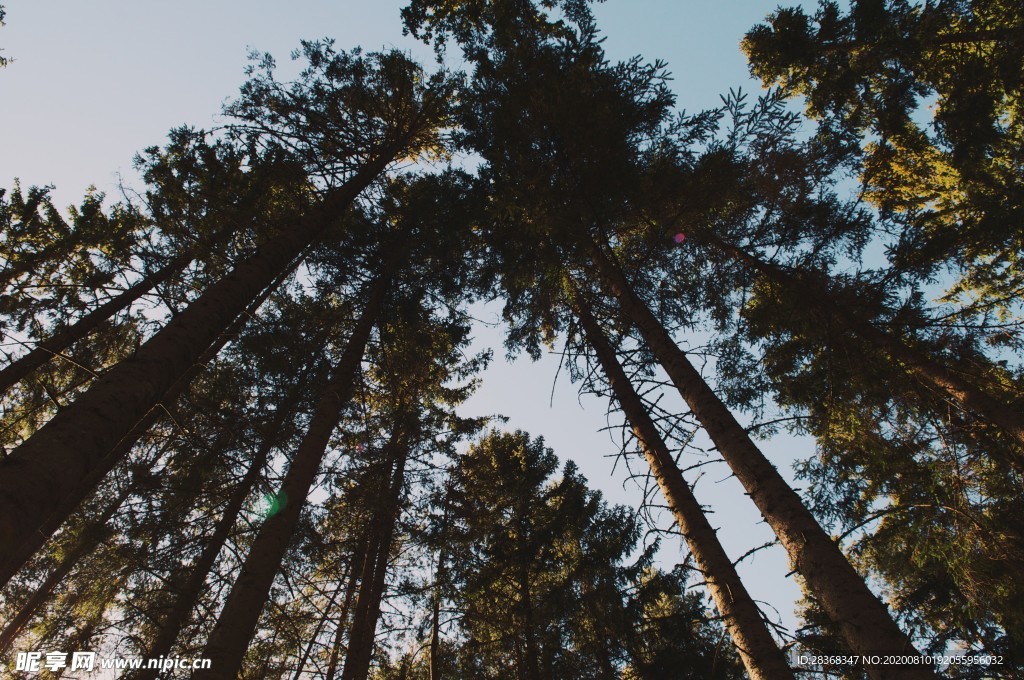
(531, 570)
(952, 177)
(538, 578)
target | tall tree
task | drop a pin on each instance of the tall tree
(580, 209)
(386, 89)
(741, 616)
(230, 637)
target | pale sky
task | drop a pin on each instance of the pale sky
(92, 83)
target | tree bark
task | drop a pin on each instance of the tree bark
(74, 443)
(237, 622)
(67, 505)
(362, 634)
(185, 594)
(760, 654)
(862, 619)
(440, 576)
(60, 341)
(357, 559)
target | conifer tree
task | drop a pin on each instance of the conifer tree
(76, 441)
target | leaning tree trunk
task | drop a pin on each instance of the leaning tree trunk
(760, 654)
(186, 594)
(59, 342)
(965, 394)
(75, 442)
(299, 666)
(356, 560)
(363, 631)
(67, 505)
(237, 622)
(862, 619)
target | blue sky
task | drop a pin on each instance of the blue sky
(94, 83)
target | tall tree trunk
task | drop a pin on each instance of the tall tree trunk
(74, 443)
(440, 577)
(319, 627)
(967, 395)
(435, 633)
(531, 658)
(355, 568)
(237, 622)
(363, 631)
(760, 654)
(60, 341)
(20, 554)
(862, 619)
(186, 593)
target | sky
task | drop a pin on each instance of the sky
(93, 83)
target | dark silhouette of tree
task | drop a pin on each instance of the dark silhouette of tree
(78, 440)
(740, 614)
(572, 209)
(950, 180)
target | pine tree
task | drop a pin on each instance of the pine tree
(75, 441)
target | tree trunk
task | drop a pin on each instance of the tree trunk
(319, 627)
(532, 655)
(760, 654)
(67, 505)
(186, 594)
(357, 559)
(862, 619)
(75, 442)
(362, 635)
(435, 637)
(60, 341)
(968, 396)
(435, 609)
(237, 622)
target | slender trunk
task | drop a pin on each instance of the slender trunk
(368, 567)
(371, 592)
(435, 609)
(237, 622)
(760, 654)
(967, 395)
(59, 342)
(186, 594)
(532, 655)
(74, 443)
(435, 636)
(67, 505)
(863, 620)
(358, 558)
(319, 627)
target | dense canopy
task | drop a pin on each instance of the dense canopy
(242, 386)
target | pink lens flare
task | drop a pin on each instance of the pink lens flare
(679, 238)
